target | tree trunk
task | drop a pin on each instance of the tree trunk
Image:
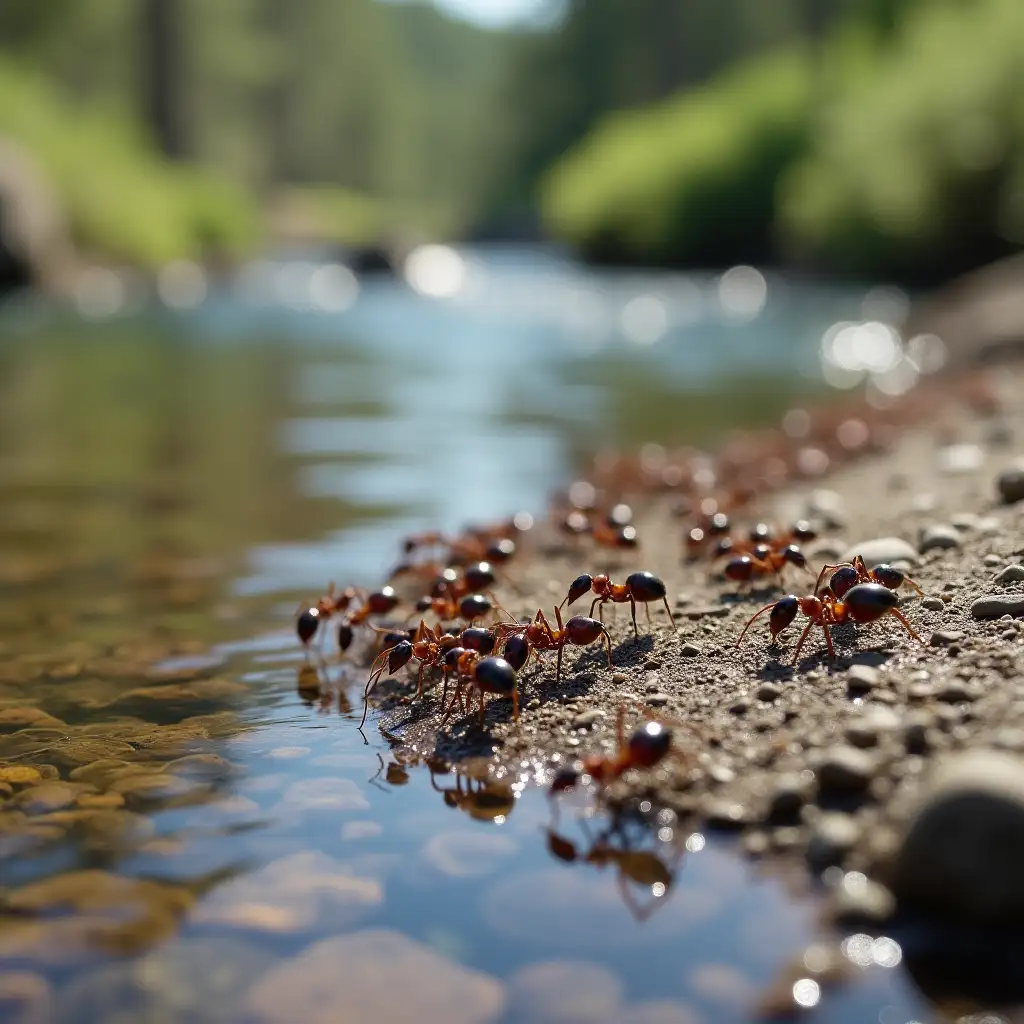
(163, 94)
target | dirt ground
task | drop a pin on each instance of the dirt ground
(823, 757)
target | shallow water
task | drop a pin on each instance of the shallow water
(191, 828)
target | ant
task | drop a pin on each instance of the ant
(485, 675)
(308, 621)
(470, 607)
(538, 635)
(639, 586)
(762, 535)
(428, 646)
(862, 603)
(764, 561)
(648, 744)
(715, 525)
(849, 574)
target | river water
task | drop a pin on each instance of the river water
(189, 830)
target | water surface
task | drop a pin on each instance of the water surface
(192, 827)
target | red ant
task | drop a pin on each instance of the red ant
(428, 646)
(470, 607)
(308, 621)
(648, 745)
(764, 562)
(639, 586)
(485, 675)
(849, 574)
(714, 525)
(538, 635)
(763, 535)
(862, 603)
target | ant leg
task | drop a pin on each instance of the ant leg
(620, 723)
(608, 644)
(907, 579)
(828, 640)
(632, 608)
(593, 605)
(906, 625)
(803, 637)
(481, 708)
(515, 703)
(647, 608)
(750, 621)
(558, 664)
(419, 681)
(668, 612)
(825, 568)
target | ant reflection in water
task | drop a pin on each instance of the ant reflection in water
(395, 774)
(317, 688)
(649, 871)
(483, 799)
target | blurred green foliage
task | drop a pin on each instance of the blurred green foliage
(120, 198)
(861, 136)
(895, 146)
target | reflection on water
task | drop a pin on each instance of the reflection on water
(191, 826)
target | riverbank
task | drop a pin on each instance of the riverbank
(825, 758)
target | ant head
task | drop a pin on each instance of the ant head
(536, 633)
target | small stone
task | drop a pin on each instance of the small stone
(945, 637)
(740, 707)
(25, 998)
(862, 679)
(618, 678)
(827, 506)
(1010, 484)
(960, 855)
(934, 604)
(964, 521)
(833, 835)
(721, 773)
(20, 775)
(1011, 574)
(13, 719)
(768, 692)
(846, 769)
(992, 606)
(865, 729)
(788, 796)
(916, 734)
(49, 796)
(657, 699)
(938, 537)
(960, 458)
(689, 651)
(956, 690)
(882, 550)
(860, 901)
(754, 844)
(991, 560)
(1010, 738)
(587, 719)
(143, 790)
(683, 598)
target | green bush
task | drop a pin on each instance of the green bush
(691, 180)
(917, 167)
(122, 200)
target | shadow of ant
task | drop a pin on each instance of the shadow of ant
(643, 644)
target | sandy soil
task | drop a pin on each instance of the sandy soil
(823, 757)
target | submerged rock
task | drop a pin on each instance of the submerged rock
(961, 853)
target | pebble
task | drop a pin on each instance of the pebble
(587, 719)
(25, 998)
(992, 606)
(19, 775)
(916, 736)
(938, 537)
(862, 678)
(768, 692)
(945, 637)
(827, 506)
(833, 835)
(619, 678)
(788, 796)
(49, 796)
(991, 560)
(965, 521)
(1011, 574)
(683, 598)
(740, 707)
(846, 769)
(866, 728)
(657, 699)
(1010, 484)
(960, 458)
(689, 651)
(882, 550)
(960, 854)
(13, 719)
(957, 690)
(934, 604)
